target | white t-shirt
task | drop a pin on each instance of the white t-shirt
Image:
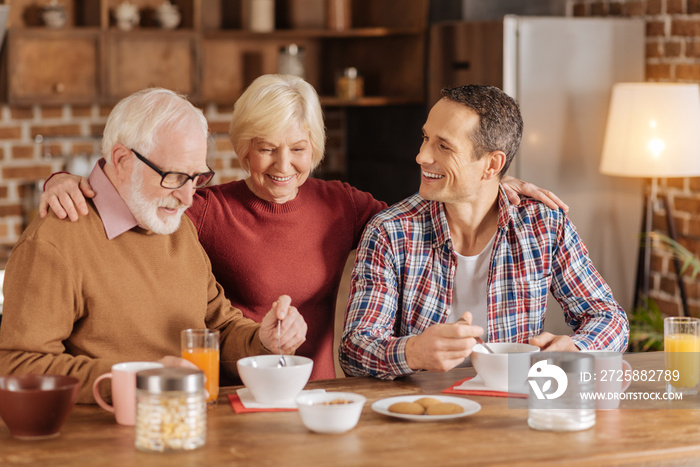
(470, 286)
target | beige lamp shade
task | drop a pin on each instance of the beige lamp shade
(653, 130)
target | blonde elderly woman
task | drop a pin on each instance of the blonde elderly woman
(278, 231)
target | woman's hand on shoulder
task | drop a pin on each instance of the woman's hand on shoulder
(515, 187)
(65, 194)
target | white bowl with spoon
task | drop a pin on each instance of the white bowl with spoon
(506, 368)
(270, 383)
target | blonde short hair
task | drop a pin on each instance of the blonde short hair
(272, 103)
(136, 120)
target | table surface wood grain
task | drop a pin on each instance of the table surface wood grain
(640, 433)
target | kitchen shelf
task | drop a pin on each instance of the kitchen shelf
(367, 101)
(315, 33)
(210, 56)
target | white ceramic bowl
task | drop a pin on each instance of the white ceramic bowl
(320, 415)
(272, 385)
(495, 370)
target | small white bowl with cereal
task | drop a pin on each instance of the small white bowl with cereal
(330, 412)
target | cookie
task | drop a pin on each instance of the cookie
(427, 401)
(409, 408)
(444, 408)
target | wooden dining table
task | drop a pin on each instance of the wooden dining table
(639, 433)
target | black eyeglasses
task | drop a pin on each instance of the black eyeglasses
(174, 180)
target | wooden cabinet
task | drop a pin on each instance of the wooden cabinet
(53, 67)
(465, 53)
(138, 60)
(211, 56)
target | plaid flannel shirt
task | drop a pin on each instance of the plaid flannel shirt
(402, 283)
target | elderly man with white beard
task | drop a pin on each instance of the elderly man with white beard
(121, 283)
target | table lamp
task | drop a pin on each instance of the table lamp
(652, 132)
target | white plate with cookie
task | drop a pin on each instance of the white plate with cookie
(434, 407)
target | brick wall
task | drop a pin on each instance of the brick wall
(672, 55)
(37, 141)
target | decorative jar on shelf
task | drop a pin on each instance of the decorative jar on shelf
(290, 61)
(54, 15)
(350, 85)
(338, 14)
(168, 15)
(260, 15)
(127, 16)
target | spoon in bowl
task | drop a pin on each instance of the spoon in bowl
(478, 339)
(282, 361)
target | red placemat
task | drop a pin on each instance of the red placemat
(238, 406)
(480, 392)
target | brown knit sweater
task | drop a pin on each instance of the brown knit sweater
(76, 302)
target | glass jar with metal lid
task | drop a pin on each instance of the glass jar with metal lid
(290, 61)
(171, 409)
(560, 398)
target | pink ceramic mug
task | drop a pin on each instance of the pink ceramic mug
(123, 377)
(612, 377)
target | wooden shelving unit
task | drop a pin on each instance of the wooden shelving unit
(210, 56)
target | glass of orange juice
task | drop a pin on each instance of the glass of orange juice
(201, 347)
(682, 354)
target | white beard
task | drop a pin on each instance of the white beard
(146, 212)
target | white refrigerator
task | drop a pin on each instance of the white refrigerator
(561, 71)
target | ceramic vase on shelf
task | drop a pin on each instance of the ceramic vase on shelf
(127, 16)
(260, 15)
(54, 15)
(338, 14)
(168, 15)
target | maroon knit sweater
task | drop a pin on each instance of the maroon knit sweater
(261, 250)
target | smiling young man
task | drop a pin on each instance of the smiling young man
(459, 250)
